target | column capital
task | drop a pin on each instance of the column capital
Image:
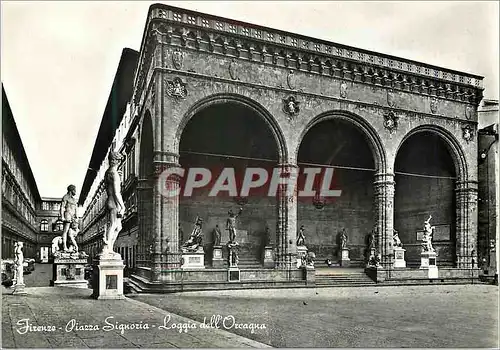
(165, 157)
(466, 186)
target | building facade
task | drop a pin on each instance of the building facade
(211, 92)
(20, 197)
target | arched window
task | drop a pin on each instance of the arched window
(57, 226)
(44, 226)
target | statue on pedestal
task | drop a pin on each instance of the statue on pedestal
(301, 239)
(216, 235)
(231, 224)
(267, 237)
(68, 213)
(233, 254)
(114, 203)
(343, 239)
(18, 264)
(194, 241)
(397, 241)
(428, 232)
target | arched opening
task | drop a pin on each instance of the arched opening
(228, 135)
(340, 144)
(145, 192)
(425, 176)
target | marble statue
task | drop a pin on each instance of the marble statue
(309, 259)
(68, 213)
(375, 260)
(301, 239)
(231, 224)
(428, 232)
(18, 263)
(396, 239)
(371, 239)
(268, 236)
(194, 241)
(343, 239)
(233, 254)
(216, 235)
(73, 232)
(114, 203)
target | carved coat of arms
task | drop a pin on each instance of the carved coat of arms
(176, 88)
(177, 59)
(290, 79)
(467, 133)
(343, 90)
(390, 121)
(434, 105)
(291, 106)
(233, 70)
(468, 112)
(391, 99)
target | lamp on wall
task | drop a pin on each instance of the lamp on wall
(491, 130)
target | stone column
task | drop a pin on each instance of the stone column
(286, 231)
(145, 199)
(166, 213)
(466, 229)
(384, 218)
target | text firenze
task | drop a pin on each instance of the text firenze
(248, 182)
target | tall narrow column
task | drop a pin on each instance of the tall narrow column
(286, 231)
(145, 201)
(384, 217)
(466, 229)
(166, 213)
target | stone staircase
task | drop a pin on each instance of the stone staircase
(342, 277)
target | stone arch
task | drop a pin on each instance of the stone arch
(374, 141)
(452, 144)
(241, 100)
(146, 143)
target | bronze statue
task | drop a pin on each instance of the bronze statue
(231, 224)
(343, 239)
(216, 235)
(68, 213)
(114, 203)
(301, 239)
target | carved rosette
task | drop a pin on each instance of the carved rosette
(176, 88)
(391, 101)
(290, 80)
(391, 121)
(468, 133)
(434, 105)
(177, 59)
(343, 90)
(233, 69)
(291, 107)
(468, 112)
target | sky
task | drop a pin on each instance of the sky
(58, 59)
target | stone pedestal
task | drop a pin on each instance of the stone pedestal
(399, 257)
(217, 260)
(107, 277)
(310, 275)
(67, 272)
(344, 258)
(428, 261)
(268, 257)
(194, 260)
(233, 274)
(301, 254)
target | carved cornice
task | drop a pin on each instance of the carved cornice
(184, 28)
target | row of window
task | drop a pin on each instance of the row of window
(17, 200)
(51, 206)
(10, 159)
(56, 226)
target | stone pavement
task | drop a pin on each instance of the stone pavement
(73, 320)
(440, 316)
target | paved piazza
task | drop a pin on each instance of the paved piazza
(450, 316)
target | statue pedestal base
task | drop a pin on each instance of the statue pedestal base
(301, 254)
(399, 257)
(107, 277)
(217, 260)
(233, 274)
(344, 259)
(19, 289)
(428, 261)
(194, 260)
(68, 272)
(268, 257)
(310, 274)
